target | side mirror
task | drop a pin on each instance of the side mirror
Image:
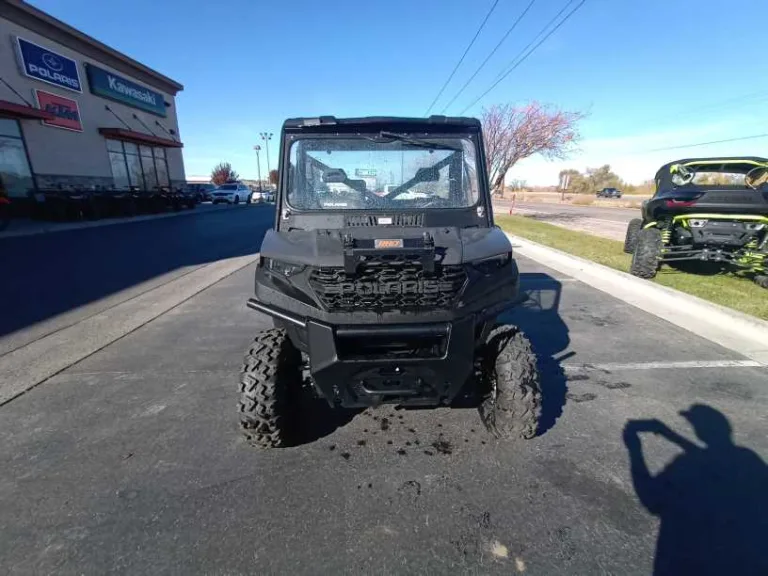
(756, 177)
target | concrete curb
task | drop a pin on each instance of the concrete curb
(53, 227)
(31, 364)
(731, 329)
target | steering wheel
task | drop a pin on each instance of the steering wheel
(757, 177)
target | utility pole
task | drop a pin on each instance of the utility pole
(267, 136)
(258, 163)
(565, 181)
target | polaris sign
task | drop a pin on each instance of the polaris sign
(109, 85)
(47, 66)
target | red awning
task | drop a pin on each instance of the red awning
(12, 110)
(139, 137)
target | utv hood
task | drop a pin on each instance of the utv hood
(325, 248)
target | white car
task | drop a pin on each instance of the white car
(262, 196)
(231, 193)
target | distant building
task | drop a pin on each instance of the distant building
(77, 113)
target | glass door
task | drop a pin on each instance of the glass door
(14, 165)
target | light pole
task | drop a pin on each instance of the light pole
(266, 136)
(258, 163)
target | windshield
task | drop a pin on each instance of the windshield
(228, 187)
(382, 173)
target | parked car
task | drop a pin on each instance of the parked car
(609, 193)
(231, 192)
(263, 195)
(188, 197)
(201, 191)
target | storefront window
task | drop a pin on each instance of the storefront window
(14, 166)
(119, 170)
(162, 167)
(142, 166)
(135, 176)
(148, 164)
(115, 146)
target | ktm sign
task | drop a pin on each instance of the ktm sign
(65, 110)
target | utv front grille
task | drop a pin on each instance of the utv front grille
(388, 283)
(401, 220)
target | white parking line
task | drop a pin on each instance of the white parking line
(685, 365)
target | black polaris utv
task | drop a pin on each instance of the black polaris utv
(705, 210)
(384, 275)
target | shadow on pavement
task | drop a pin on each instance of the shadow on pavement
(712, 501)
(46, 275)
(319, 420)
(539, 318)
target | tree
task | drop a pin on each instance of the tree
(593, 179)
(273, 177)
(513, 133)
(222, 173)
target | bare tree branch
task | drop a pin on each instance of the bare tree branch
(513, 133)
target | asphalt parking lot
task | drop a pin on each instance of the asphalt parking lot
(130, 461)
(598, 220)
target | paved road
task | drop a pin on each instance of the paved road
(598, 220)
(130, 462)
(54, 280)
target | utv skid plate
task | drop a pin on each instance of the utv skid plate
(727, 239)
(407, 364)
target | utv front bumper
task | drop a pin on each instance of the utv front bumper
(420, 364)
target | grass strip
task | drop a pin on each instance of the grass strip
(726, 289)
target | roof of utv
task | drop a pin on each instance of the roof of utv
(726, 164)
(372, 122)
(718, 163)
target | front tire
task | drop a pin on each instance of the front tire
(237, 199)
(633, 229)
(512, 408)
(270, 387)
(645, 259)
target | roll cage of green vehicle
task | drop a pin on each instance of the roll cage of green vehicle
(704, 210)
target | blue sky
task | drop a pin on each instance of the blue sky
(651, 73)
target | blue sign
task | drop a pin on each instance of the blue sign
(47, 66)
(109, 85)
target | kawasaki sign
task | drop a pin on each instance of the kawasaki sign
(108, 85)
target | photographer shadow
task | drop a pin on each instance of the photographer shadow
(538, 315)
(712, 501)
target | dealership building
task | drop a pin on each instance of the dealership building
(76, 113)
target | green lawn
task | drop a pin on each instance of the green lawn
(724, 289)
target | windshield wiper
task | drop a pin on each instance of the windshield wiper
(421, 142)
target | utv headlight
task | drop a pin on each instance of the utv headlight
(698, 223)
(283, 268)
(490, 265)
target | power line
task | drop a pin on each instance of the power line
(440, 93)
(697, 144)
(503, 39)
(718, 106)
(531, 43)
(531, 51)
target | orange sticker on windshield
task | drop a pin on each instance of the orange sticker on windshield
(388, 243)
